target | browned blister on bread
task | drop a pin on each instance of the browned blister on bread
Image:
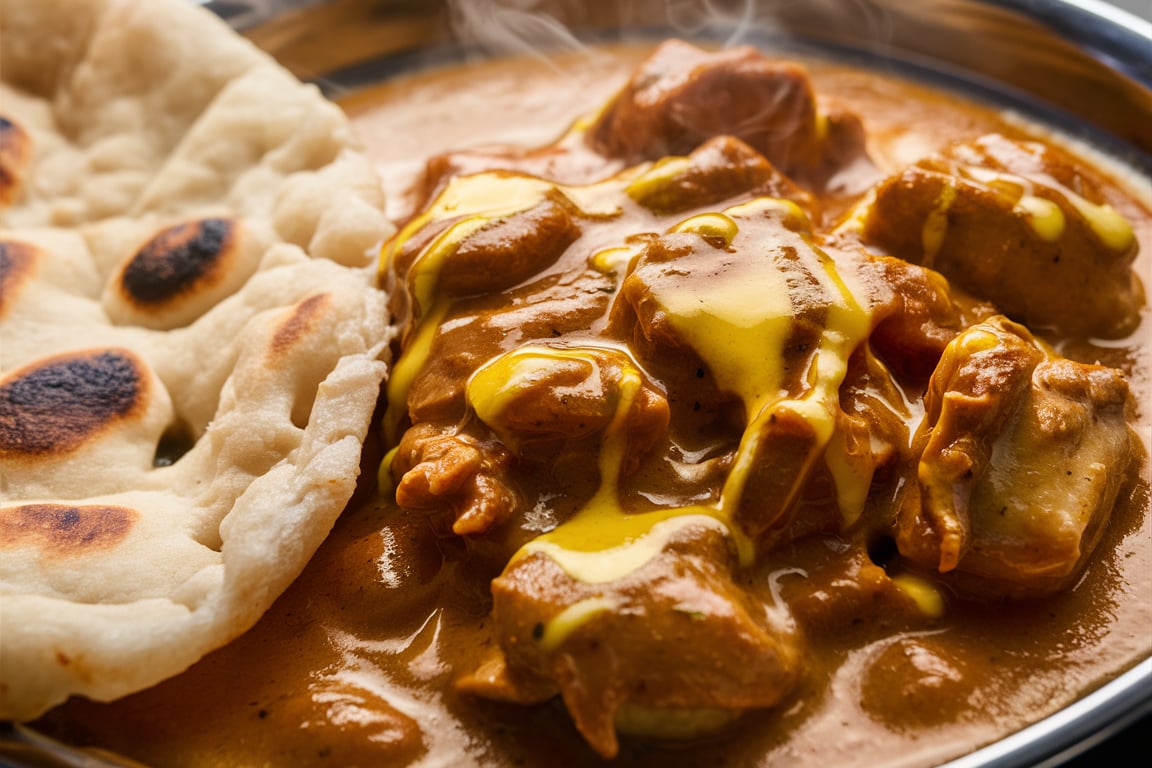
(62, 530)
(80, 422)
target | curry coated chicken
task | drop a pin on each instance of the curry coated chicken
(653, 337)
(775, 414)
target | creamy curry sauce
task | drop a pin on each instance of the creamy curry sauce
(361, 662)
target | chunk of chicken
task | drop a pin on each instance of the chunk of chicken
(672, 645)
(1020, 225)
(524, 399)
(441, 468)
(915, 315)
(1023, 457)
(719, 169)
(452, 257)
(476, 331)
(737, 291)
(682, 96)
(749, 294)
(536, 394)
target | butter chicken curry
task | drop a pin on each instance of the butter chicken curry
(774, 413)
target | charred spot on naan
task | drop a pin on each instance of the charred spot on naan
(15, 153)
(55, 405)
(62, 530)
(17, 265)
(178, 260)
(181, 270)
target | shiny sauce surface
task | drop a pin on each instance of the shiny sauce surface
(360, 662)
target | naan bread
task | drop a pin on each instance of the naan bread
(191, 343)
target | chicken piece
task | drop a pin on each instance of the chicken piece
(782, 453)
(719, 169)
(537, 394)
(749, 294)
(747, 305)
(839, 587)
(475, 331)
(1023, 457)
(673, 647)
(811, 475)
(1017, 224)
(739, 291)
(441, 468)
(460, 253)
(915, 316)
(979, 384)
(874, 416)
(524, 399)
(509, 250)
(682, 96)
(462, 275)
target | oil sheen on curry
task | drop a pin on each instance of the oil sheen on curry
(773, 414)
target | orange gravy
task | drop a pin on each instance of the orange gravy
(356, 663)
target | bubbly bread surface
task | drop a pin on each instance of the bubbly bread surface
(191, 341)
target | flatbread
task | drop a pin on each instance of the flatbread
(191, 343)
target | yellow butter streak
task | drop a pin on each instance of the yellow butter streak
(605, 545)
(1045, 216)
(927, 598)
(1110, 226)
(738, 326)
(475, 201)
(407, 367)
(715, 226)
(570, 619)
(738, 321)
(657, 177)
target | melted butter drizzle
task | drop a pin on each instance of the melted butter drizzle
(739, 327)
(475, 200)
(846, 327)
(1045, 216)
(601, 542)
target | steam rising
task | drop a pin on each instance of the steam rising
(543, 27)
(512, 27)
